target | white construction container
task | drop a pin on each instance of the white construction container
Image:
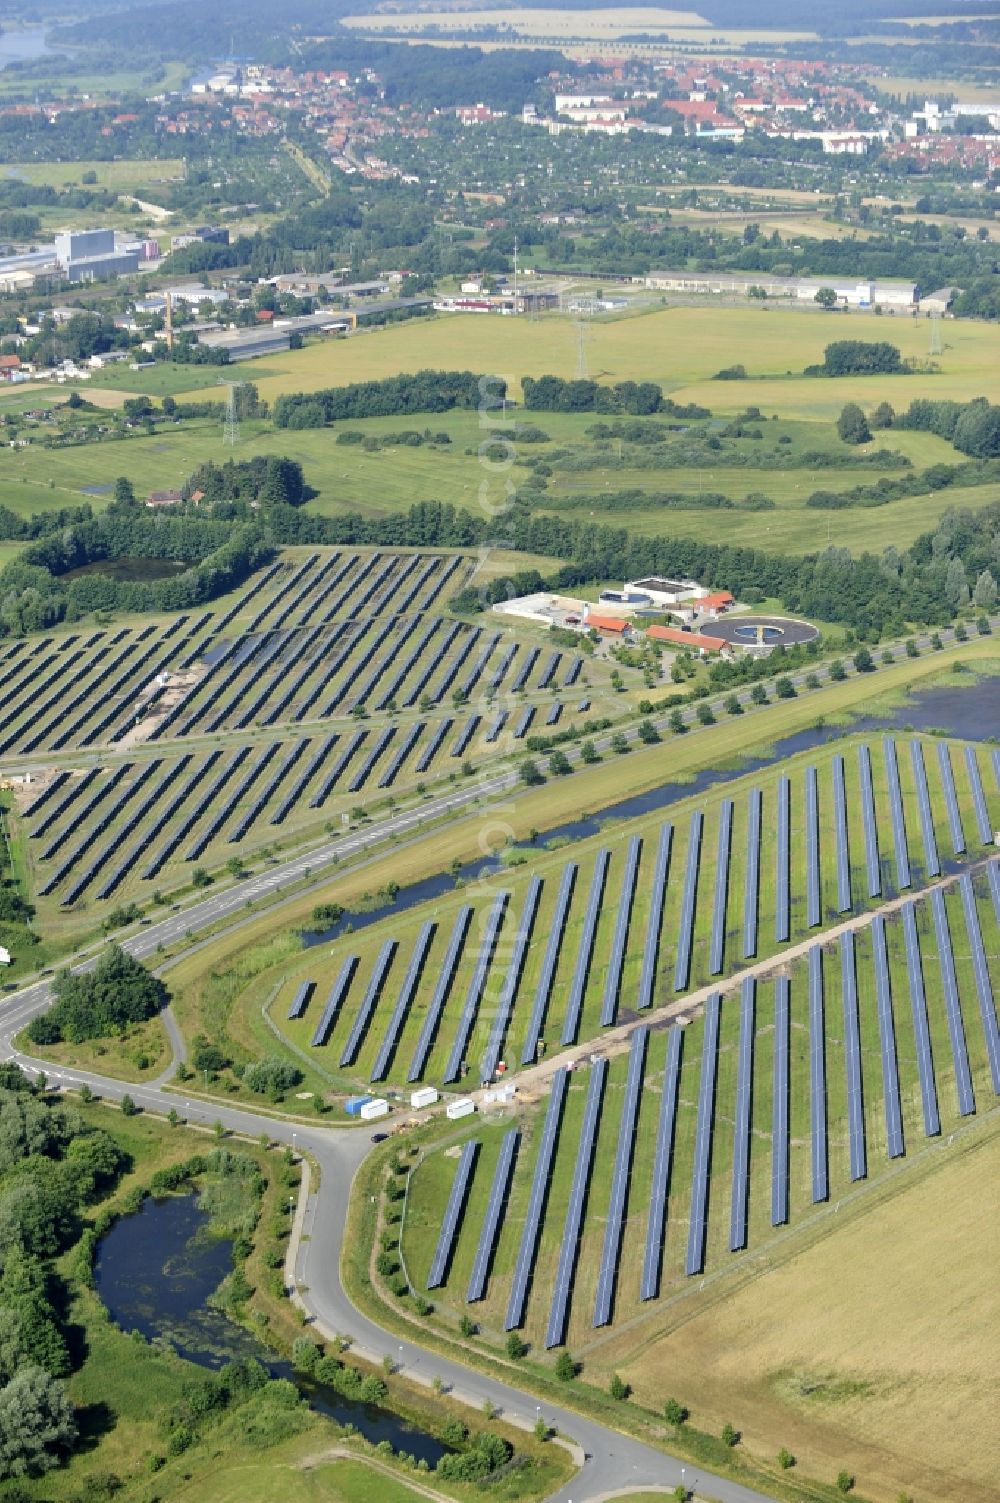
(425, 1096)
(373, 1109)
(463, 1107)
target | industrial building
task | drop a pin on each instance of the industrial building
(850, 292)
(83, 255)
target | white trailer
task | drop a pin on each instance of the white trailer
(424, 1096)
(373, 1109)
(463, 1107)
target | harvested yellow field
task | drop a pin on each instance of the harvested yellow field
(567, 23)
(873, 1349)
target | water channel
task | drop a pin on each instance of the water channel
(970, 711)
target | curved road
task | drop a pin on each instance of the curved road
(612, 1461)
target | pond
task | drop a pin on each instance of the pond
(130, 570)
(21, 46)
(155, 1272)
(970, 711)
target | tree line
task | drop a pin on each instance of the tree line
(631, 398)
(395, 396)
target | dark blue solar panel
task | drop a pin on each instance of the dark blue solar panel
(615, 1224)
(570, 1246)
(536, 1203)
(656, 1225)
(387, 1048)
(951, 798)
(695, 1259)
(473, 996)
(817, 1076)
(717, 948)
(842, 837)
(612, 984)
(334, 1001)
(368, 1002)
(984, 986)
(453, 1215)
(852, 1057)
(512, 979)
(446, 977)
(544, 989)
(490, 1229)
(953, 1010)
(921, 1030)
(779, 1104)
(983, 823)
(751, 890)
(873, 865)
(654, 921)
(814, 911)
(740, 1200)
(585, 950)
(685, 937)
(932, 862)
(895, 1144)
(782, 907)
(300, 1001)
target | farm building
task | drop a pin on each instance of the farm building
(675, 636)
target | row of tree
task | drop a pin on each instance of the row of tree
(395, 396)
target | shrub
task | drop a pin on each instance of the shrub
(674, 1412)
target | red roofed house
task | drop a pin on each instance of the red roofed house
(716, 604)
(8, 365)
(690, 639)
(614, 624)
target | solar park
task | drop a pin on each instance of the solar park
(696, 1142)
(336, 673)
(547, 955)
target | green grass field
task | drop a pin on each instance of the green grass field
(126, 175)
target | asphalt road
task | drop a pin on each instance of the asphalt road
(612, 1461)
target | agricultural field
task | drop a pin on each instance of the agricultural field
(221, 734)
(544, 953)
(121, 176)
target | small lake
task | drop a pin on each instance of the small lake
(970, 711)
(155, 1272)
(22, 46)
(129, 570)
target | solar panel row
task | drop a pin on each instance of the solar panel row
(814, 912)
(717, 947)
(751, 889)
(984, 986)
(898, 819)
(685, 935)
(418, 956)
(984, 824)
(570, 1246)
(614, 1226)
(657, 1218)
(612, 982)
(740, 1201)
(537, 1197)
(654, 920)
(496, 1205)
(817, 1077)
(442, 990)
(585, 951)
(852, 1057)
(782, 905)
(842, 838)
(873, 864)
(512, 979)
(895, 1143)
(951, 798)
(474, 995)
(453, 1215)
(301, 1000)
(779, 1104)
(953, 1010)
(921, 1027)
(369, 1002)
(695, 1259)
(546, 977)
(334, 1001)
(932, 862)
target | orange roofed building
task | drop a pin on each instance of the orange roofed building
(614, 624)
(694, 640)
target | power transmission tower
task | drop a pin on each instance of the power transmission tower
(585, 311)
(231, 423)
(934, 344)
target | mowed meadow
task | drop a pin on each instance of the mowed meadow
(681, 348)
